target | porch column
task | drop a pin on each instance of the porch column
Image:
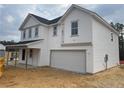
(7, 58)
(16, 57)
(26, 50)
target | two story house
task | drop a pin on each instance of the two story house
(79, 41)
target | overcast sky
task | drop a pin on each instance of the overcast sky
(11, 16)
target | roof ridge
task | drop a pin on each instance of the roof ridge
(55, 18)
(38, 16)
(44, 20)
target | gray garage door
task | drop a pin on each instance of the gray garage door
(69, 60)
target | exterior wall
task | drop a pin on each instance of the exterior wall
(89, 55)
(102, 45)
(35, 59)
(55, 44)
(42, 52)
(32, 24)
(31, 61)
(84, 27)
(85, 35)
(55, 41)
(43, 58)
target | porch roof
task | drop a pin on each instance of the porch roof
(21, 44)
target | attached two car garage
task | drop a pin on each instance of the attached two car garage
(71, 60)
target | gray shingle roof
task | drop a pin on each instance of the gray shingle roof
(26, 42)
(46, 21)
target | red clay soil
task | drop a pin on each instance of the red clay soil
(50, 77)
(122, 62)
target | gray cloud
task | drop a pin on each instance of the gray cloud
(110, 12)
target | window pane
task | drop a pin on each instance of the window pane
(36, 31)
(74, 28)
(54, 30)
(72, 32)
(74, 24)
(76, 31)
(23, 34)
(30, 32)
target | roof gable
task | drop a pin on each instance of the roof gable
(2, 47)
(38, 20)
(61, 18)
(46, 21)
(26, 22)
(31, 22)
(93, 14)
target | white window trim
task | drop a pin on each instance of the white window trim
(30, 33)
(24, 36)
(112, 37)
(37, 32)
(54, 30)
(75, 28)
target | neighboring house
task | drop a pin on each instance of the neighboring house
(2, 50)
(9, 54)
(79, 41)
(2, 47)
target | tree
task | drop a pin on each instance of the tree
(112, 24)
(119, 27)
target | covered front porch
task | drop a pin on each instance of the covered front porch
(27, 54)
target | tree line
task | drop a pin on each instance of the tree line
(120, 28)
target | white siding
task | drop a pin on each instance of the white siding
(41, 32)
(43, 54)
(84, 27)
(102, 45)
(31, 60)
(31, 22)
(55, 41)
(36, 53)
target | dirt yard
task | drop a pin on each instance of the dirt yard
(49, 77)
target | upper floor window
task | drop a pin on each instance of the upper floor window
(112, 37)
(74, 28)
(30, 33)
(54, 30)
(24, 34)
(36, 32)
